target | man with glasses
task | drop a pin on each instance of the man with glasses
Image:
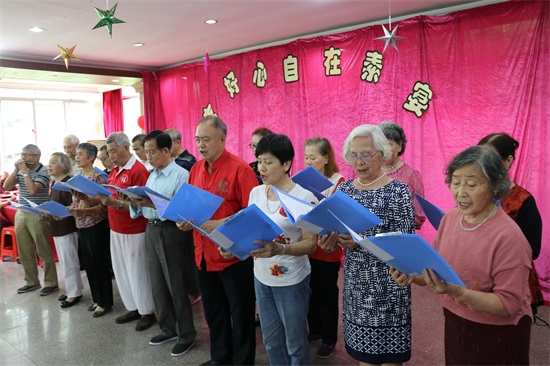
(103, 156)
(33, 181)
(137, 146)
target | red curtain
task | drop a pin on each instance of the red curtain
(113, 113)
(481, 70)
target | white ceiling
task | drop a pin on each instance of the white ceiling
(174, 31)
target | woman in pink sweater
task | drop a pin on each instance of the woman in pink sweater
(489, 321)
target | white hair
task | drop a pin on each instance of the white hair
(379, 141)
(73, 139)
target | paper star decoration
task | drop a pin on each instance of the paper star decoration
(66, 55)
(107, 19)
(390, 38)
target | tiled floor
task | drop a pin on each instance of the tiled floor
(35, 331)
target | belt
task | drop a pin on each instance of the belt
(157, 222)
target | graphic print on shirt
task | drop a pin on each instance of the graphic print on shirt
(278, 270)
(223, 187)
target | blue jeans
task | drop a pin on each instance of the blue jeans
(283, 316)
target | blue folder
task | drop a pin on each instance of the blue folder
(61, 186)
(105, 175)
(329, 215)
(22, 207)
(313, 181)
(433, 213)
(53, 208)
(189, 202)
(136, 191)
(86, 186)
(237, 235)
(410, 254)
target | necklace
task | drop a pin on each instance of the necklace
(370, 183)
(481, 223)
(393, 166)
(267, 198)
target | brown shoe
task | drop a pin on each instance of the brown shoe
(128, 317)
(145, 322)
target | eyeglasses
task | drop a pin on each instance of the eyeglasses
(352, 157)
(252, 146)
(103, 159)
(24, 155)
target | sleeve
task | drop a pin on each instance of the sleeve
(530, 223)
(416, 185)
(246, 182)
(42, 177)
(135, 212)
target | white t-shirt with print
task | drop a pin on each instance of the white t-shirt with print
(281, 270)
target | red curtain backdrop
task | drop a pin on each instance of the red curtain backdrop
(113, 113)
(482, 70)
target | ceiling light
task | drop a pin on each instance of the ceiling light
(52, 76)
(210, 21)
(36, 29)
(138, 44)
(115, 81)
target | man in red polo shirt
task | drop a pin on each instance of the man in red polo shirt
(128, 236)
(227, 285)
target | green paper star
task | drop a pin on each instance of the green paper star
(390, 38)
(107, 19)
(67, 55)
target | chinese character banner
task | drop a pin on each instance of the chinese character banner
(455, 79)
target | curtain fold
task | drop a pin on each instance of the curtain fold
(465, 75)
(113, 112)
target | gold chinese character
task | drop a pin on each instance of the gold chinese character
(290, 69)
(372, 67)
(417, 102)
(260, 75)
(208, 111)
(332, 61)
(231, 84)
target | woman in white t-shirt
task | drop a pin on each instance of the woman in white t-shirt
(281, 267)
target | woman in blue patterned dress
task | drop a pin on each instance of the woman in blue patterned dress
(376, 311)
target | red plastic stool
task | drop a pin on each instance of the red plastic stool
(8, 251)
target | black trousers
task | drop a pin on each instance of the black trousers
(96, 247)
(229, 309)
(167, 251)
(323, 304)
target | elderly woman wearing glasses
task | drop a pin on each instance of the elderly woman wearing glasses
(376, 311)
(489, 321)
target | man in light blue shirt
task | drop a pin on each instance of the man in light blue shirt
(168, 249)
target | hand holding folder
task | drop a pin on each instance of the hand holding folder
(329, 215)
(237, 235)
(189, 202)
(313, 181)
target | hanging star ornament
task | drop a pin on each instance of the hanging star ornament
(107, 19)
(67, 55)
(390, 38)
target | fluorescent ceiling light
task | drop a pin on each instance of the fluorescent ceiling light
(138, 44)
(115, 81)
(36, 29)
(210, 21)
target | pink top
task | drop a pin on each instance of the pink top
(494, 258)
(413, 179)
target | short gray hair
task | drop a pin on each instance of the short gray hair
(73, 139)
(394, 132)
(378, 139)
(33, 149)
(90, 149)
(216, 122)
(118, 138)
(488, 161)
(174, 134)
(64, 162)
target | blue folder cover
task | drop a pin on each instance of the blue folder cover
(60, 186)
(86, 186)
(433, 213)
(313, 181)
(321, 219)
(105, 175)
(189, 202)
(20, 206)
(410, 254)
(136, 191)
(53, 208)
(237, 234)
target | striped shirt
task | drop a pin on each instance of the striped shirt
(39, 175)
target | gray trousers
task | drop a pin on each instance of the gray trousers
(166, 256)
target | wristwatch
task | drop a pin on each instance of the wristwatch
(120, 206)
(25, 175)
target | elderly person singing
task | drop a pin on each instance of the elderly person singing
(376, 311)
(489, 321)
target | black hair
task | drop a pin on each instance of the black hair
(163, 140)
(504, 144)
(278, 145)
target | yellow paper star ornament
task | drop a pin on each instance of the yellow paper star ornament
(66, 55)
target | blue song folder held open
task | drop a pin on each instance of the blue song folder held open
(433, 213)
(22, 207)
(189, 202)
(313, 181)
(86, 186)
(61, 186)
(104, 174)
(237, 235)
(53, 208)
(329, 215)
(136, 191)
